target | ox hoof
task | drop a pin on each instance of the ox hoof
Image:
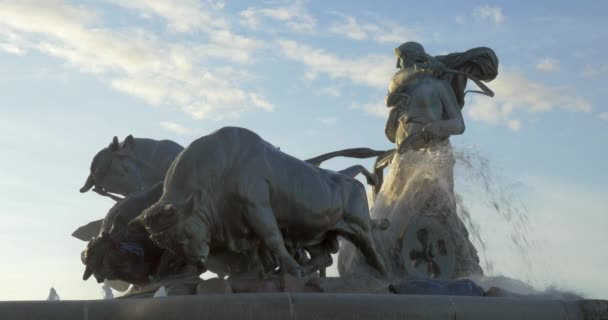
(214, 286)
(296, 272)
(289, 283)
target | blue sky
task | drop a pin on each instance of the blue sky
(309, 77)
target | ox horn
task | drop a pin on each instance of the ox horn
(88, 184)
(114, 145)
(87, 273)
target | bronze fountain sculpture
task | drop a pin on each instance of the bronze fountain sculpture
(263, 221)
(233, 204)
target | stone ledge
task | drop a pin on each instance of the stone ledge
(303, 306)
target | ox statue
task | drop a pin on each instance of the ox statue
(235, 191)
(133, 165)
(123, 168)
(123, 251)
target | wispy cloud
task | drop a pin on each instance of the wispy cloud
(331, 91)
(381, 31)
(159, 71)
(603, 116)
(180, 16)
(328, 121)
(188, 16)
(489, 13)
(373, 109)
(514, 125)
(260, 102)
(294, 16)
(548, 64)
(371, 70)
(516, 96)
(11, 48)
(225, 45)
(176, 128)
(590, 71)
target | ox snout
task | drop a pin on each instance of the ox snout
(87, 273)
(88, 184)
(196, 253)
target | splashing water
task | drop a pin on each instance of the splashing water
(482, 200)
(499, 195)
(107, 290)
(420, 183)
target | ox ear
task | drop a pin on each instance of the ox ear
(129, 142)
(114, 145)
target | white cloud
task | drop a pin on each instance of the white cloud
(230, 72)
(187, 16)
(159, 71)
(223, 44)
(603, 116)
(328, 121)
(516, 95)
(295, 16)
(548, 64)
(350, 28)
(331, 91)
(372, 70)
(374, 109)
(493, 14)
(590, 71)
(514, 125)
(180, 15)
(260, 102)
(176, 128)
(11, 48)
(381, 31)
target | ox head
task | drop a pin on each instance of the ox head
(179, 229)
(113, 169)
(115, 257)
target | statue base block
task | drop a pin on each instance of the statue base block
(270, 306)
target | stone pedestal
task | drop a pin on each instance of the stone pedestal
(307, 306)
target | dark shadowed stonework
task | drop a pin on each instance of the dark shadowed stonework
(307, 306)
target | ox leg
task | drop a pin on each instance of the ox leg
(263, 221)
(320, 255)
(363, 241)
(319, 259)
(356, 228)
